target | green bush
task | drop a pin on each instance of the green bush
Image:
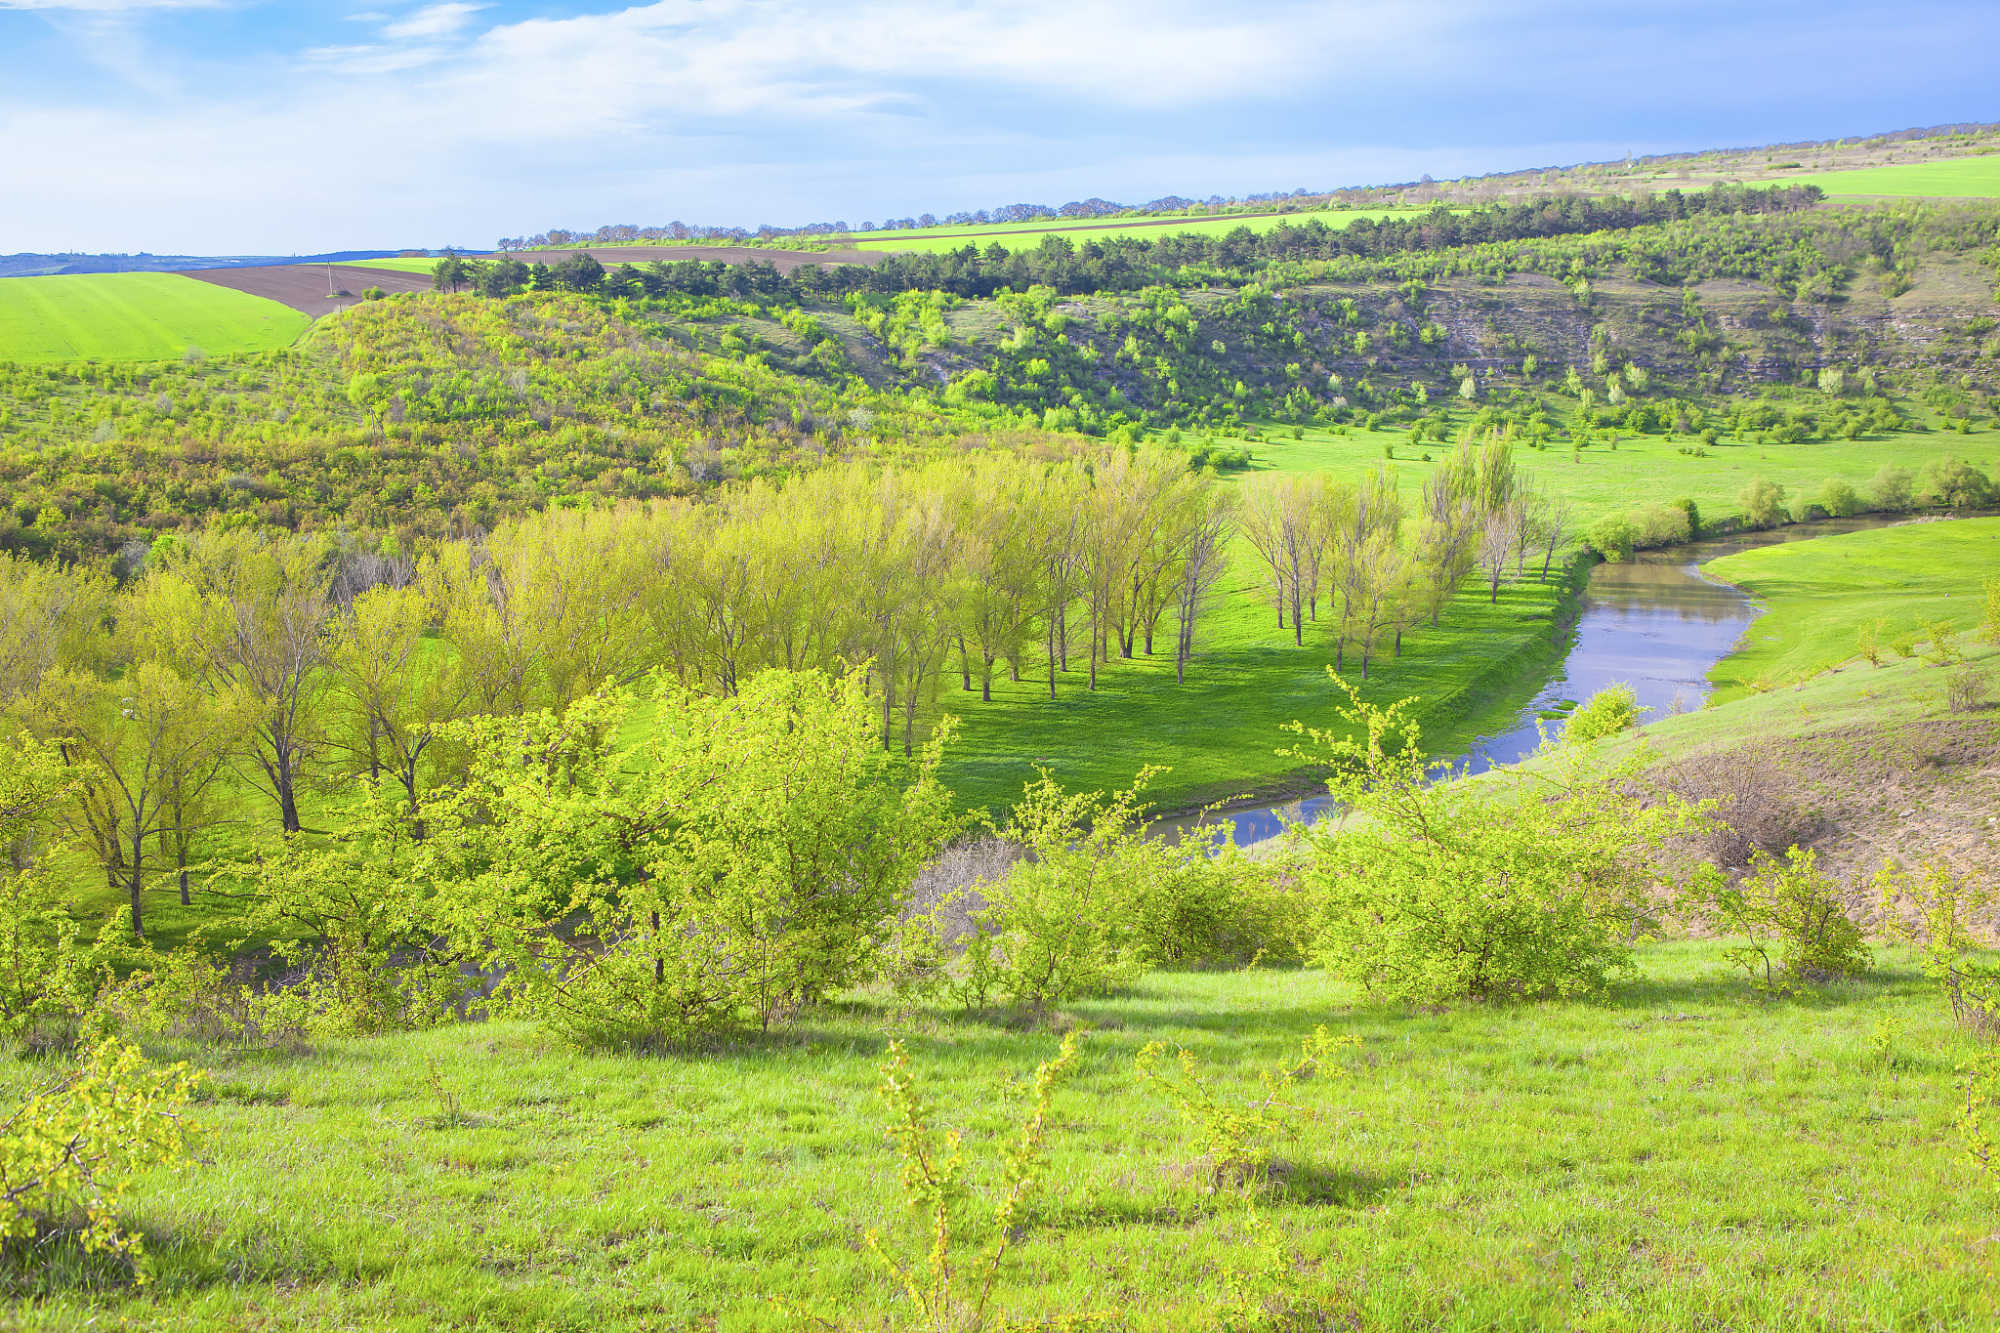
(1613, 538)
(1659, 525)
(1611, 710)
(1067, 920)
(1893, 489)
(1840, 500)
(1440, 891)
(1763, 502)
(69, 1155)
(741, 859)
(1795, 930)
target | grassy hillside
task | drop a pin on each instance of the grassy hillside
(1815, 596)
(1965, 177)
(1683, 1156)
(135, 317)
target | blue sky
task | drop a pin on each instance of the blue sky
(233, 126)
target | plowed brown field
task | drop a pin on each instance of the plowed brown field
(306, 287)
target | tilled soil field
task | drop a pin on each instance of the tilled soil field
(305, 287)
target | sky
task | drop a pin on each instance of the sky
(247, 127)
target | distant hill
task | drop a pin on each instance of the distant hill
(38, 265)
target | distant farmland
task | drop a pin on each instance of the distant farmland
(1964, 177)
(1027, 235)
(135, 317)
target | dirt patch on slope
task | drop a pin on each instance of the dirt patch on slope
(307, 287)
(1915, 792)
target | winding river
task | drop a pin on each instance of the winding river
(1654, 622)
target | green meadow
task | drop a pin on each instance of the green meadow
(1815, 597)
(1682, 1155)
(1964, 177)
(419, 265)
(135, 317)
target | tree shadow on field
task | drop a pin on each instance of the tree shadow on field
(1191, 1204)
(1726, 991)
(54, 1262)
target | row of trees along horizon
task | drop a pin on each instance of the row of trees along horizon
(289, 658)
(1123, 263)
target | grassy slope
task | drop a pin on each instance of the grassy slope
(1965, 177)
(397, 265)
(1221, 732)
(1684, 1156)
(1028, 235)
(1815, 595)
(135, 317)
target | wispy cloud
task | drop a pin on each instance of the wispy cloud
(793, 110)
(109, 6)
(432, 22)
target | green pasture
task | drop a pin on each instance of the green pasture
(1962, 177)
(1683, 1155)
(394, 265)
(1644, 469)
(1815, 596)
(1029, 235)
(135, 317)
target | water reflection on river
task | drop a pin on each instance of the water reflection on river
(1653, 622)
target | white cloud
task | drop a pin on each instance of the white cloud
(108, 6)
(432, 22)
(439, 125)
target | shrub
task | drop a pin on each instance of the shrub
(1935, 910)
(1868, 640)
(1839, 499)
(1613, 537)
(1955, 483)
(1611, 710)
(1066, 921)
(949, 1290)
(1965, 690)
(1763, 502)
(1235, 1142)
(69, 1154)
(744, 858)
(1893, 489)
(1790, 914)
(1659, 525)
(1440, 891)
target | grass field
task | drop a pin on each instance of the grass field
(397, 265)
(1816, 595)
(1965, 177)
(1681, 1156)
(135, 317)
(1028, 235)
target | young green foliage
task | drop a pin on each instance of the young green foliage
(69, 1153)
(1936, 910)
(1236, 1140)
(948, 1291)
(1437, 890)
(1613, 709)
(1794, 927)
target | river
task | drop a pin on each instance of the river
(1653, 622)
